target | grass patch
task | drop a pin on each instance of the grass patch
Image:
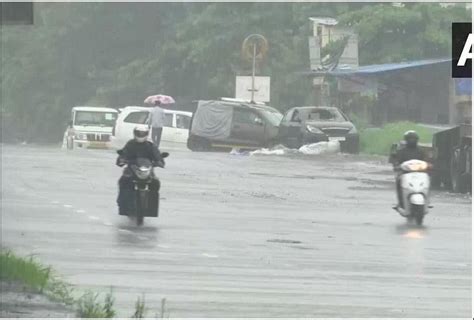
(89, 306)
(25, 270)
(36, 276)
(140, 310)
(379, 140)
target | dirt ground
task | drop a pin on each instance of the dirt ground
(17, 301)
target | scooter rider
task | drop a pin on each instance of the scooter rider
(410, 151)
(138, 147)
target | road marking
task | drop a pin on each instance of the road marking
(163, 246)
(55, 202)
(94, 218)
(108, 223)
(125, 231)
(67, 206)
(80, 211)
(210, 255)
(142, 238)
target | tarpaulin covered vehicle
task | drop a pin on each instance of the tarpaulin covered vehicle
(232, 124)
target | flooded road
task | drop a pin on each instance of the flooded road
(242, 236)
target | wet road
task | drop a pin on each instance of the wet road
(239, 236)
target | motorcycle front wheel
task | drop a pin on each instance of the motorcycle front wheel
(143, 205)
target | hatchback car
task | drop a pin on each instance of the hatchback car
(305, 125)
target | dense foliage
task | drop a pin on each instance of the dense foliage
(115, 54)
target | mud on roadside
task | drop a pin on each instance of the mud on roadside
(18, 301)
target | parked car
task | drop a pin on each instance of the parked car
(230, 124)
(305, 125)
(89, 127)
(176, 129)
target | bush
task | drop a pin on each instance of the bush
(379, 140)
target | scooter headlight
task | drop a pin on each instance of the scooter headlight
(418, 166)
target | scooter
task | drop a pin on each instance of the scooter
(141, 201)
(415, 185)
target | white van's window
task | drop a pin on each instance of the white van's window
(94, 118)
(137, 117)
(183, 121)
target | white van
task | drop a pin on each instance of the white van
(90, 127)
(176, 129)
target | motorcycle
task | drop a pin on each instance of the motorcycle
(141, 202)
(415, 186)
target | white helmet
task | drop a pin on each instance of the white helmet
(140, 133)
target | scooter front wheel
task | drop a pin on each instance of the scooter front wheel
(418, 212)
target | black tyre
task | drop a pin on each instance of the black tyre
(200, 145)
(418, 212)
(142, 206)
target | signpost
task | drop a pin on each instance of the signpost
(254, 48)
(252, 88)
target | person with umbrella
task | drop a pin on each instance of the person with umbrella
(157, 116)
(157, 121)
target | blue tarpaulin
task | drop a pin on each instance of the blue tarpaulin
(375, 69)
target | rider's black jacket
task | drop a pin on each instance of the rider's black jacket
(134, 150)
(409, 153)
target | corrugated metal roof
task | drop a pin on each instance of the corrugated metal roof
(378, 68)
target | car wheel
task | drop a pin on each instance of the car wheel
(202, 145)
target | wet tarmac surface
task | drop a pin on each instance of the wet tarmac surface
(242, 236)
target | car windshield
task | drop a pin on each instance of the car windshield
(325, 115)
(272, 116)
(95, 118)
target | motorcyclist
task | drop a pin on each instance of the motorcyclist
(410, 151)
(138, 147)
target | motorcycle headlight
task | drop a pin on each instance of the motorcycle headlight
(313, 129)
(143, 173)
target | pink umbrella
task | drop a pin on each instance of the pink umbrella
(159, 97)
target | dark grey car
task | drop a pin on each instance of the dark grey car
(305, 125)
(225, 124)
